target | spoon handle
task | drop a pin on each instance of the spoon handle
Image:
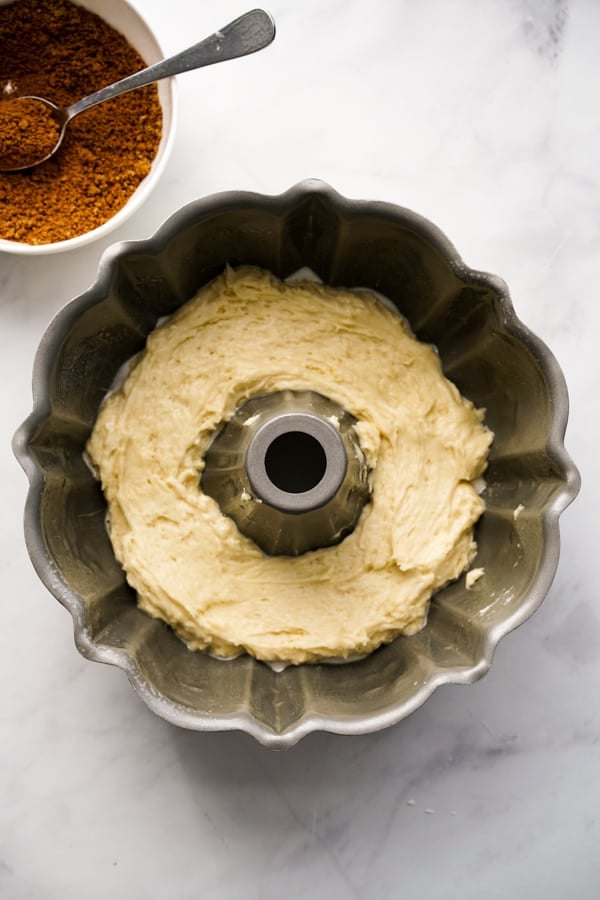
(247, 34)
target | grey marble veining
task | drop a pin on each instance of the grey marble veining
(484, 117)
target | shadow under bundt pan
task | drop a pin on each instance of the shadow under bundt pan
(491, 357)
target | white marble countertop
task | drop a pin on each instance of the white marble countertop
(485, 118)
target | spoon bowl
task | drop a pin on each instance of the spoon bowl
(33, 130)
(251, 32)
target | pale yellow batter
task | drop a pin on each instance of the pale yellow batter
(245, 334)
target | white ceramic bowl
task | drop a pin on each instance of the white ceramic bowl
(130, 23)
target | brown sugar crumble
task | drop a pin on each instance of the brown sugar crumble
(28, 132)
(57, 50)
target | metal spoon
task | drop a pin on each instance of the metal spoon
(245, 35)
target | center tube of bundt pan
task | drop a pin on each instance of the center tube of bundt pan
(296, 462)
(289, 470)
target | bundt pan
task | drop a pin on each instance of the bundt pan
(485, 350)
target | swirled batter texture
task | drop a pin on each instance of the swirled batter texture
(245, 334)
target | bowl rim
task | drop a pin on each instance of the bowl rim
(308, 722)
(168, 87)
